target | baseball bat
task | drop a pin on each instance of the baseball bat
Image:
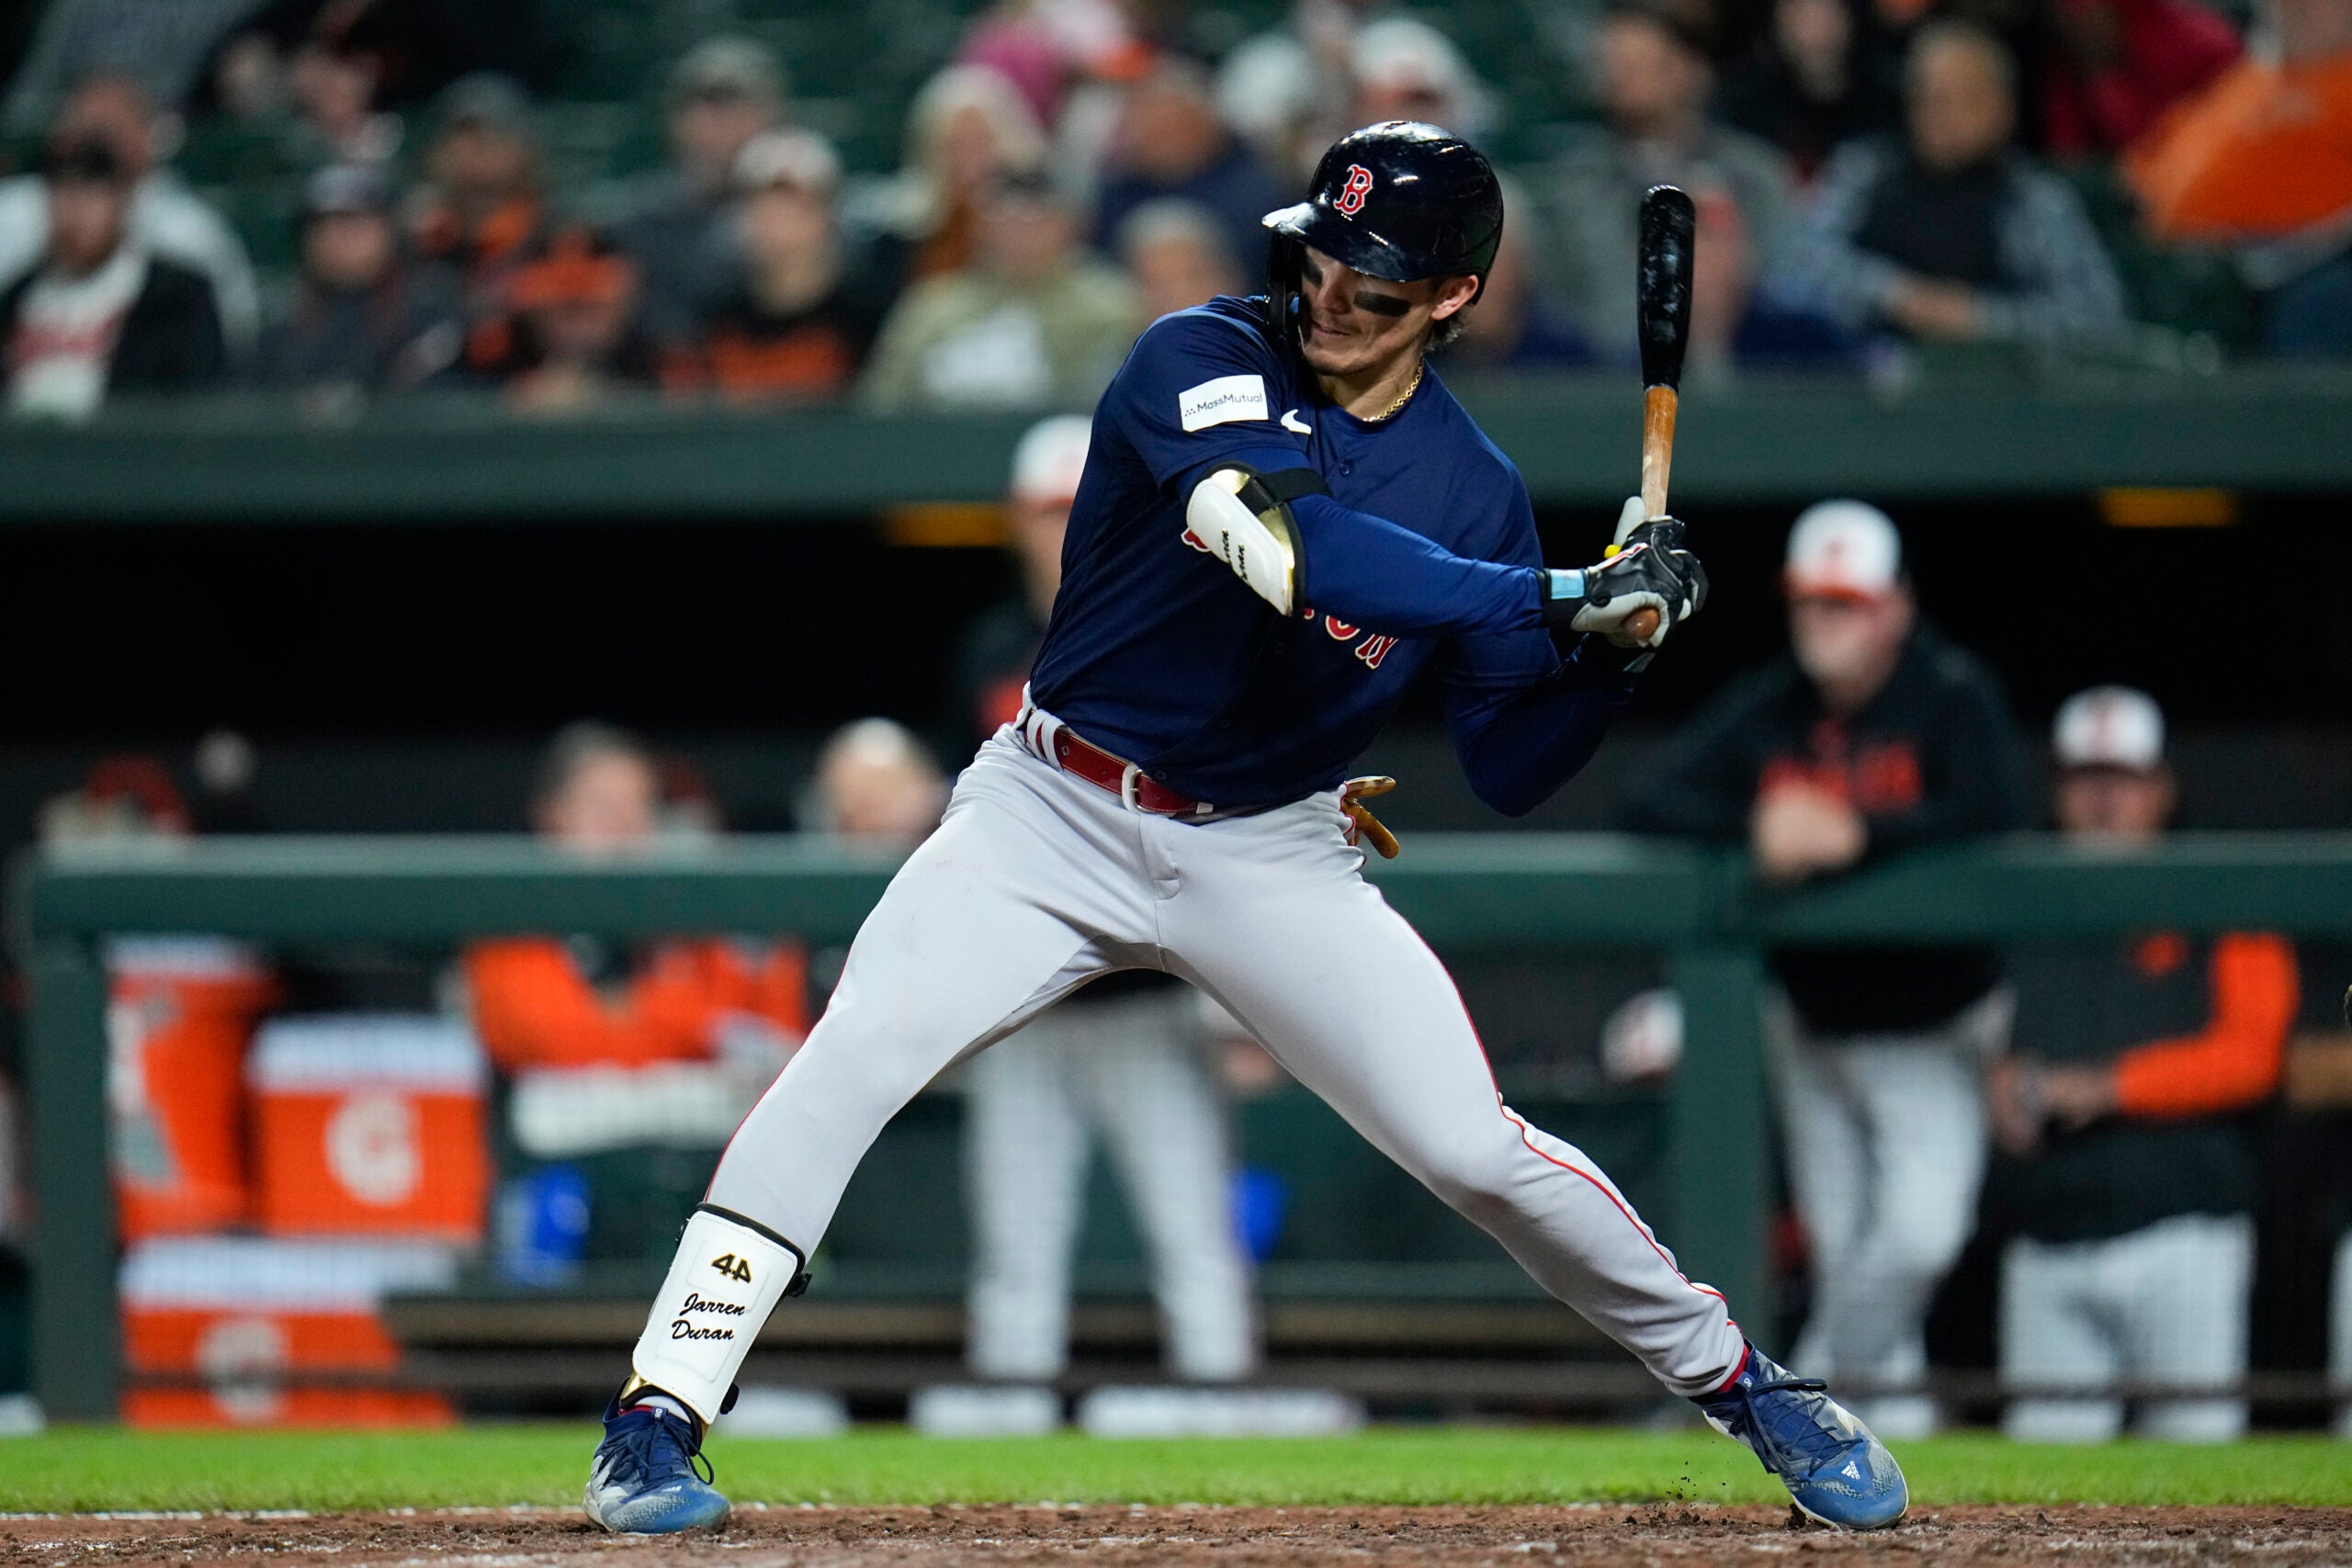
(1662, 319)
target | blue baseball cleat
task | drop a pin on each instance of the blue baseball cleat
(1836, 1472)
(649, 1476)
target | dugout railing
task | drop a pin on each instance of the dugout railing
(1467, 893)
(1760, 438)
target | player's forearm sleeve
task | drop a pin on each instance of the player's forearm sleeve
(1370, 572)
(1518, 753)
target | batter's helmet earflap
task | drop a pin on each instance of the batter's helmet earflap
(1399, 200)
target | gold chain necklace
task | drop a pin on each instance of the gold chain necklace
(1402, 398)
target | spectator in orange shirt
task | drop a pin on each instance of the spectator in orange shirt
(2262, 160)
(2119, 1113)
(482, 212)
(577, 344)
(557, 1002)
(796, 320)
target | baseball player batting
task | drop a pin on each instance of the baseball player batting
(1285, 517)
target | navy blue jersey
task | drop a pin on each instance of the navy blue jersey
(1157, 653)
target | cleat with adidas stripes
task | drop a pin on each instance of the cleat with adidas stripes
(1835, 1470)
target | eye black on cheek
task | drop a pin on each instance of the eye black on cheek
(1383, 304)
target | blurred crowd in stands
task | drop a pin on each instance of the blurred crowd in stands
(2127, 179)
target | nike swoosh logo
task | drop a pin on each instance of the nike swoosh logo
(1290, 422)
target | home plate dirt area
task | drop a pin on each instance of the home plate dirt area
(1291, 1538)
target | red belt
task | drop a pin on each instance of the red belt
(1135, 789)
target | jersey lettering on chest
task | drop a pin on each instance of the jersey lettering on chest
(1372, 650)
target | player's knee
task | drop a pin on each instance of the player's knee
(860, 1077)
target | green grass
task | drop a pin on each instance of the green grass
(93, 1468)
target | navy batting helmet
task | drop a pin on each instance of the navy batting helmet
(1399, 200)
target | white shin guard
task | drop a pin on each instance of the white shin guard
(727, 1278)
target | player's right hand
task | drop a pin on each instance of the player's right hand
(1652, 569)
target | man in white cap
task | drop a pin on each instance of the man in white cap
(2127, 1177)
(1874, 737)
(1124, 1059)
(795, 309)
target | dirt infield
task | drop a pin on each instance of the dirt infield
(1243, 1538)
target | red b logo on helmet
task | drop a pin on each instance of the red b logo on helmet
(1359, 185)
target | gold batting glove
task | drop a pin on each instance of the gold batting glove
(1363, 823)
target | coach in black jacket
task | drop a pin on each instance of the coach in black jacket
(99, 319)
(1872, 736)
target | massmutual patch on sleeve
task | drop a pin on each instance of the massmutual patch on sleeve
(1223, 401)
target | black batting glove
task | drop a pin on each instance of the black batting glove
(1652, 570)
